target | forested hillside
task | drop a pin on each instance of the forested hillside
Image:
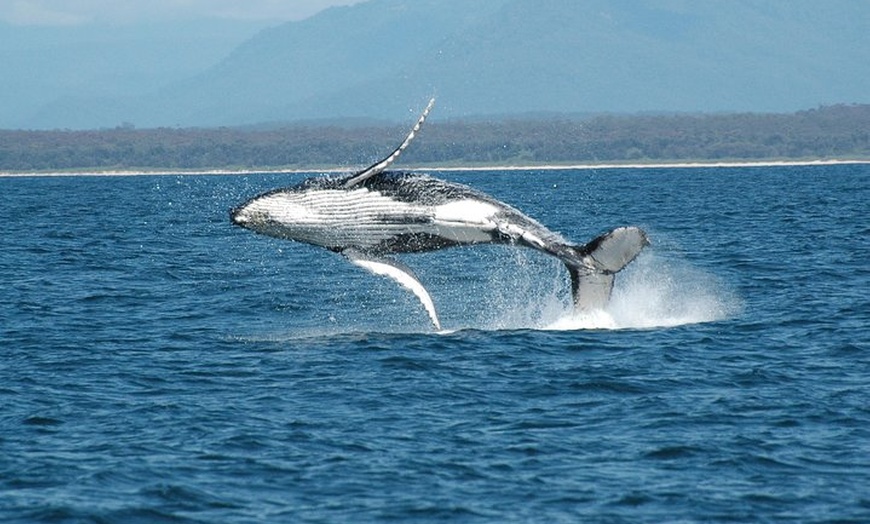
(841, 131)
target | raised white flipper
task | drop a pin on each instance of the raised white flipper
(385, 163)
(397, 271)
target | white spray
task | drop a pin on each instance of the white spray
(656, 292)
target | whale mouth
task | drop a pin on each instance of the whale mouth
(239, 217)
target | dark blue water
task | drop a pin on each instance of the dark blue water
(159, 365)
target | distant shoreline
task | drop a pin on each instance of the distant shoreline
(530, 167)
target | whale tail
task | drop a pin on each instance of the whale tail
(596, 263)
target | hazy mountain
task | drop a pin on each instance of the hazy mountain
(62, 66)
(383, 58)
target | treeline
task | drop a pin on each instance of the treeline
(841, 131)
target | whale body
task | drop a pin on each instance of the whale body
(375, 213)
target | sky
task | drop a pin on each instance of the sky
(119, 12)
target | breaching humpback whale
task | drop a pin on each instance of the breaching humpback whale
(374, 213)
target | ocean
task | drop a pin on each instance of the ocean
(160, 365)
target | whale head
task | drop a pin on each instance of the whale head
(278, 214)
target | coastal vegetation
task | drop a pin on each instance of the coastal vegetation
(827, 132)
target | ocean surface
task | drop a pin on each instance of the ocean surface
(160, 365)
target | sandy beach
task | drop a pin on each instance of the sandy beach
(543, 167)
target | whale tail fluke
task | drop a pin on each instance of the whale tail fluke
(598, 261)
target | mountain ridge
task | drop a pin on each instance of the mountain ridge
(382, 59)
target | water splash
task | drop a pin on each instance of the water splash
(511, 289)
(656, 292)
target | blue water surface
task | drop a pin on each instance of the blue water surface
(159, 365)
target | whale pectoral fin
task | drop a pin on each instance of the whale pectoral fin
(397, 271)
(378, 167)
